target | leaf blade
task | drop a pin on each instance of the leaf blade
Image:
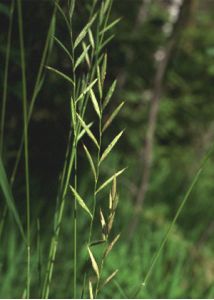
(112, 117)
(95, 103)
(110, 146)
(81, 57)
(88, 131)
(81, 201)
(90, 161)
(110, 277)
(83, 32)
(109, 180)
(110, 93)
(8, 195)
(60, 74)
(111, 245)
(94, 263)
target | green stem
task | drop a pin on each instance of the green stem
(25, 117)
(4, 98)
(157, 254)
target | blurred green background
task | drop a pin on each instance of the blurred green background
(183, 133)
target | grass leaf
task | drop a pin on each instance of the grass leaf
(98, 242)
(109, 180)
(86, 90)
(84, 31)
(90, 290)
(103, 69)
(95, 103)
(8, 195)
(109, 26)
(90, 161)
(63, 48)
(109, 94)
(91, 38)
(111, 245)
(112, 117)
(106, 42)
(82, 132)
(110, 278)
(110, 146)
(103, 225)
(81, 57)
(61, 74)
(73, 115)
(94, 263)
(81, 201)
(88, 131)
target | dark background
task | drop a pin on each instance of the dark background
(184, 131)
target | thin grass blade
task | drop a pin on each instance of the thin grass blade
(80, 201)
(60, 74)
(94, 263)
(110, 147)
(108, 181)
(8, 195)
(88, 131)
(112, 117)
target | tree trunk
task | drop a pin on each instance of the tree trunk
(147, 155)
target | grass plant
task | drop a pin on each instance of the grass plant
(87, 60)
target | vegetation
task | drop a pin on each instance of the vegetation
(106, 149)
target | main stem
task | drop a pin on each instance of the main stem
(25, 117)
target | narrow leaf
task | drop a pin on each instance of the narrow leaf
(88, 131)
(90, 161)
(71, 9)
(82, 132)
(99, 82)
(91, 39)
(110, 146)
(83, 32)
(63, 15)
(90, 289)
(109, 180)
(114, 189)
(112, 117)
(111, 245)
(61, 74)
(106, 42)
(80, 201)
(110, 278)
(86, 90)
(94, 263)
(106, 6)
(98, 242)
(95, 103)
(63, 48)
(86, 54)
(104, 67)
(109, 94)
(73, 114)
(8, 195)
(104, 226)
(81, 57)
(110, 26)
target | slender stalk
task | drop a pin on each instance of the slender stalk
(37, 87)
(75, 172)
(25, 118)
(183, 202)
(4, 98)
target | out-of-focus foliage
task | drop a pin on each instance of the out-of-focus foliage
(184, 133)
